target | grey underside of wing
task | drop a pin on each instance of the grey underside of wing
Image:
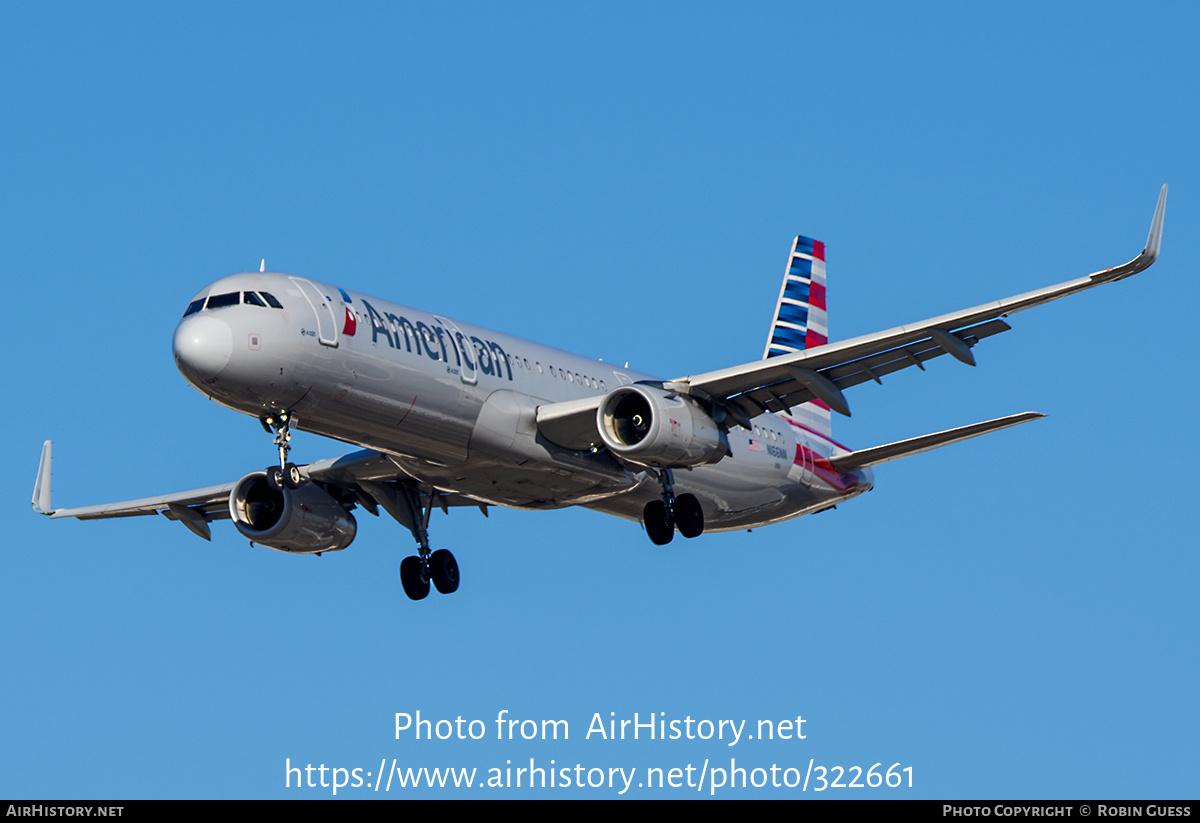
(775, 390)
(768, 385)
(571, 423)
(213, 501)
(772, 389)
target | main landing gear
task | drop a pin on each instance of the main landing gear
(406, 502)
(438, 567)
(285, 474)
(663, 517)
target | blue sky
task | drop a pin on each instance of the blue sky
(1011, 617)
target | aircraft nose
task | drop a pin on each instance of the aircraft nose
(203, 345)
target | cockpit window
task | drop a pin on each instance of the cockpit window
(217, 301)
(194, 306)
(271, 301)
(254, 300)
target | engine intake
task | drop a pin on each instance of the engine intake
(647, 425)
(302, 521)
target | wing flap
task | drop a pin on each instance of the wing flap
(784, 395)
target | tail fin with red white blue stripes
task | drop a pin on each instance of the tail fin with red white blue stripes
(800, 319)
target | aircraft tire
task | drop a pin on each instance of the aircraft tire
(414, 583)
(443, 568)
(292, 476)
(275, 478)
(689, 517)
(654, 516)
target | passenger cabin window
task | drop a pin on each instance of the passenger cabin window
(194, 306)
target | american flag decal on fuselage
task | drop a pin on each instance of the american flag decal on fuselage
(800, 317)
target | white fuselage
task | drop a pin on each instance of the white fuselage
(455, 405)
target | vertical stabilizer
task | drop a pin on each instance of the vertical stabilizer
(800, 319)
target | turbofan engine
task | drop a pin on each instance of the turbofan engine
(647, 425)
(302, 521)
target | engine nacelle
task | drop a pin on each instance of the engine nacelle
(302, 521)
(647, 425)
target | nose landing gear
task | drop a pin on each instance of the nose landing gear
(285, 474)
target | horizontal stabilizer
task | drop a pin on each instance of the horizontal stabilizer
(903, 448)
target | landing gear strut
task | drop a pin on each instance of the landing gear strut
(285, 474)
(438, 567)
(663, 517)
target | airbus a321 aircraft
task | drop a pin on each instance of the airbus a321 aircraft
(452, 414)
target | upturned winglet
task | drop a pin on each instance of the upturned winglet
(1149, 254)
(1154, 239)
(41, 487)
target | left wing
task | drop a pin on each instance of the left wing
(776, 384)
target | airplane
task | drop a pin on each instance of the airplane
(450, 414)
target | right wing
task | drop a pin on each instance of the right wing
(369, 478)
(212, 502)
(779, 383)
